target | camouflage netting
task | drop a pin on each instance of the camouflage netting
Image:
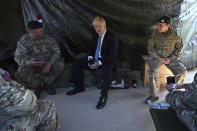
(69, 21)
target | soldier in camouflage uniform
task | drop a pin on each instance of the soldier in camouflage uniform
(164, 47)
(38, 57)
(184, 102)
(21, 111)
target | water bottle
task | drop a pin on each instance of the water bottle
(134, 83)
(114, 84)
(122, 83)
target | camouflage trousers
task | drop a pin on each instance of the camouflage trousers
(32, 77)
(176, 66)
(43, 119)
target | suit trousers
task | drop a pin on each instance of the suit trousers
(78, 77)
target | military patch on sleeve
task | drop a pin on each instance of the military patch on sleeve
(6, 76)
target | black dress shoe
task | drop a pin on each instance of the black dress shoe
(75, 91)
(102, 102)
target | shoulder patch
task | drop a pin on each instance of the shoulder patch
(6, 76)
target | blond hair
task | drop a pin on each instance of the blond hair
(99, 19)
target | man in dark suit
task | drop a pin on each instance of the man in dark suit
(102, 55)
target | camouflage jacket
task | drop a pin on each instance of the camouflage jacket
(185, 104)
(43, 49)
(15, 102)
(167, 45)
(20, 110)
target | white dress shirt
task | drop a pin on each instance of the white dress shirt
(102, 37)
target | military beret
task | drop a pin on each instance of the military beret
(165, 19)
(34, 25)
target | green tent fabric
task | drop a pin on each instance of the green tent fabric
(166, 120)
(70, 23)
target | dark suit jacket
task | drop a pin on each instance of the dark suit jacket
(109, 48)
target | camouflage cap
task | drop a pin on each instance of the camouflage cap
(165, 19)
(34, 25)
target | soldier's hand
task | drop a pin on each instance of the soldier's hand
(36, 63)
(46, 68)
